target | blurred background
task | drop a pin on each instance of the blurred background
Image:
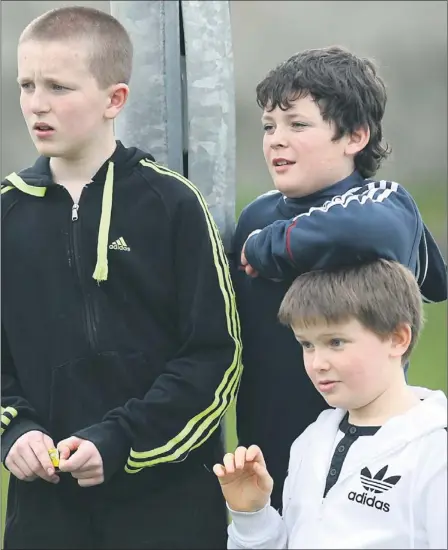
(408, 40)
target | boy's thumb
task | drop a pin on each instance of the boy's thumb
(67, 446)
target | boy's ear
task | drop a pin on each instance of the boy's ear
(117, 97)
(358, 139)
(401, 340)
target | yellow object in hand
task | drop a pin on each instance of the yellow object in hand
(54, 456)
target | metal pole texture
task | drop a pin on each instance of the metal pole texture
(182, 102)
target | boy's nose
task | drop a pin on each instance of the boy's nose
(320, 362)
(39, 104)
(278, 139)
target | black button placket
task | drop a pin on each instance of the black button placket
(351, 434)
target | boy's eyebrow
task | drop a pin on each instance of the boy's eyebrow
(289, 116)
(325, 335)
(47, 80)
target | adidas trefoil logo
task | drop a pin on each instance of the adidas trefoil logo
(120, 244)
(376, 484)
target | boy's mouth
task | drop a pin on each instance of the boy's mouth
(326, 385)
(282, 162)
(42, 127)
(43, 130)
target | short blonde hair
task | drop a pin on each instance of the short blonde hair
(110, 59)
(381, 295)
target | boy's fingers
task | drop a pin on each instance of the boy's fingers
(219, 470)
(23, 467)
(254, 454)
(85, 474)
(259, 469)
(229, 463)
(90, 482)
(265, 481)
(67, 446)
(41, 452)
(240, 457)
(243, 260)
(251, 271)
(76, 461)
(15, 470)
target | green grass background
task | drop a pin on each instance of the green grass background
(429, 361)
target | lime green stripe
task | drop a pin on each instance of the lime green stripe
(18, 182)
(7, 188)
(228, 397)
(5, 420)
(209, 218)
(233, 373)
(233, 386)
(210, 222)
(236, 361)
(11, 410)
(101, 268)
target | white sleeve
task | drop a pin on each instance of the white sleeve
(435, 502)
(266, 528)
(257, 530)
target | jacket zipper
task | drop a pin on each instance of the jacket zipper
(77, 259)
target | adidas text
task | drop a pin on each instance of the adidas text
(115, 246)
(120, 244)
(362, 498)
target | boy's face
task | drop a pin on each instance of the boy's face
(300, 136)
(62, 104)
(348, 364)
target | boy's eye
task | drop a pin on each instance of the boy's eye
(58, 87)
(298, 125)
(306, 345)
(336, 342)
(267, 127)
(26, 85)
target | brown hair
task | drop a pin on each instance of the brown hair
(110, 59)
(381, 295)
(347, 89)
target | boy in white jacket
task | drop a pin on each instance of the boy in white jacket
(372, 471)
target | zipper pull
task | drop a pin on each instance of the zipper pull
(75, 209)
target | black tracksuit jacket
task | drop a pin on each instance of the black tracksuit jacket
(119, 322)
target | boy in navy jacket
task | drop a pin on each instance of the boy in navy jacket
(322, 119)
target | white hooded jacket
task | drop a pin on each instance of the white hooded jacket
(391, 491)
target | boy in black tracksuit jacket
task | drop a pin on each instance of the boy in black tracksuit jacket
(120, 336)
(316, 219)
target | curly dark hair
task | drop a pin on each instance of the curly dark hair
(346, 88)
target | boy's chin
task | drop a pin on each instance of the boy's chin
(49, 150)
(288, 188)
(334, 401)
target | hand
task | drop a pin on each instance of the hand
(85, 464)
(244, 479)
(245, 266)
(28, 458)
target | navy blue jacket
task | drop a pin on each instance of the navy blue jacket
(352, 221)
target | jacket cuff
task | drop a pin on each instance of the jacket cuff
(17, 428)
(112, 443)
(252, 526)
